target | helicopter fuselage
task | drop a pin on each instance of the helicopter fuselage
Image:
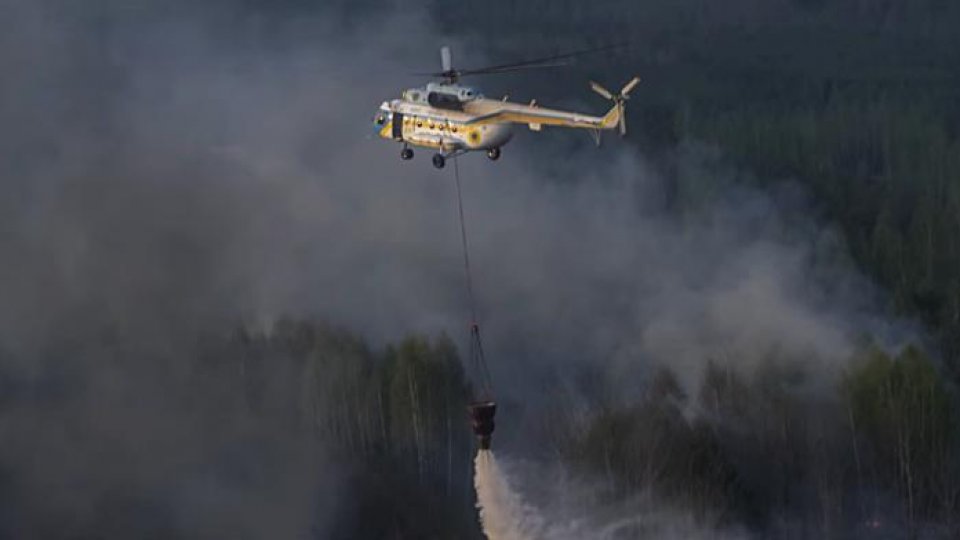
(455, 119)
(440, 128)
(440, 116)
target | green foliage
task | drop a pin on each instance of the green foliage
(772, 449)
(901, 409)
(426, 400)
(652, 446)
(888, 173)
(394, 420)
(858, 101)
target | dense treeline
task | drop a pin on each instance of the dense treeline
(858, 101)
(298, 431)
(394, 421)
(877, 453)
(889, 175)
(779, 450)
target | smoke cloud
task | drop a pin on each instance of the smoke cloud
(172, 171)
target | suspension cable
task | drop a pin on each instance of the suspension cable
(476, 345)
(466, 251)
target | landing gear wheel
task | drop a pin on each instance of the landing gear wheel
(439, 161)
(406, 154)
(494, 153)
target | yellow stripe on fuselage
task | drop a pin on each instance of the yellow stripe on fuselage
(423, 125)
(432, 130)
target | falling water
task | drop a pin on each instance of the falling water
(503, 514)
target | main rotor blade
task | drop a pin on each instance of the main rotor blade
(601, 90)
(508, 69)
(564, 56)
(629, 86)
(460, 73)
(445, 61)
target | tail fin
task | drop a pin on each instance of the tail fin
(616, 116)
(612, 118)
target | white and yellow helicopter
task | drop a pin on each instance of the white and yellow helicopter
(455, 119)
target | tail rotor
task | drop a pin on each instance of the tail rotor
(619, 100)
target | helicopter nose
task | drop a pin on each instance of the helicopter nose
(379, 121)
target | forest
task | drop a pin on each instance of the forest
(859, 102)
(139, 397)
(874, 456)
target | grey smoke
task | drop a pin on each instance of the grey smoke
(168, 171)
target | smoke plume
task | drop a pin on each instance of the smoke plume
(175, 171)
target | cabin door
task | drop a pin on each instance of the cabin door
(398, 126)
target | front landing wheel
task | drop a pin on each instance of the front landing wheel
(439, 161)
(494, 153)
(406, 154)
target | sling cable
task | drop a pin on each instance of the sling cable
(483, 408)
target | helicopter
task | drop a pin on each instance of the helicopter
(455, 119)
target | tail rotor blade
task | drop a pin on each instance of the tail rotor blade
(445, 61)
(630, 86)
(601, 90)
(623, 122)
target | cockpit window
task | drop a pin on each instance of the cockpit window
(380, 119)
